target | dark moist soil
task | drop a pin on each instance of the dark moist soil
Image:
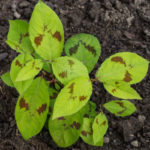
(120, 25)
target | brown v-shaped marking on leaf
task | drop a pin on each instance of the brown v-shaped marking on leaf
(82, 98)
(76, 125)
(73, 49)
(84, 133)
(38, 40)
(127, 77)
(70, 62)
(57, 36)
(23, 104)
(63, 74)
(17, 63)
(41, 109)
(118, 59)
(71, 87)
(61, 118)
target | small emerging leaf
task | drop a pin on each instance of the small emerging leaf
(17, 64)
(46, 32)
(72, 97)
(65, 131)
(100, 126)
(6, 79)
(32, 109)
(87, 133)
(30, 70)
(121, 90)
(46, 65)
(84, 47)
(120, 107)
(67, 68)
(18, 36)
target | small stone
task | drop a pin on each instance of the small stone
(141, 118)
(129, 20)
(17, 15)
(147, 32)
(135, 143)
(24, 4)
(106, 140)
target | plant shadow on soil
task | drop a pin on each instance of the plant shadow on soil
(120, 25)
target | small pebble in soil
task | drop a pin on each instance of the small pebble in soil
(106, 140)
(135, 143)
(24, 4)
(17, 15)
(141, 118)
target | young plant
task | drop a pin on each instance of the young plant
(60, 87)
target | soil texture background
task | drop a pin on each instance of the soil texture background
(120, 25)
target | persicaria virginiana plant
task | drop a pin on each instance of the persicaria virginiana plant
(54, 90)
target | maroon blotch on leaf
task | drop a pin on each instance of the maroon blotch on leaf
(23, 104)
(71, 63)
(41, 109)
(18, 63)
(57, 36)
(76, 125)
(61, 118)
(82, 98)
(63, 74)
(127, 77)
(118, 59)
(38, 40)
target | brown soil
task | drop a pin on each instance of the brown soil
(120, 25)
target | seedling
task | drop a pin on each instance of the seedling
(60, 86)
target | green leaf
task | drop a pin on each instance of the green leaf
(17, 64)
(120, 107)
(30, 70)
(65, 131)
(87, 133)
(125, 66)
(84, 47)
(72, 97)
(46, 32)
(121, 90)
(6, 79)
(67, 68)
(18, 36)
(100, 126)
(32, 108)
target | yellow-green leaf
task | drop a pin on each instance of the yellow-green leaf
(121, 90)
(30, 70)
(87, 133)
(68, 68)
(46, 32)
(6, 79)
(65, 131)
(124, 66)
(100, 126)
(17, 64)
(120, 107)
(32, 109)
(72, 97)
(18, 36)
